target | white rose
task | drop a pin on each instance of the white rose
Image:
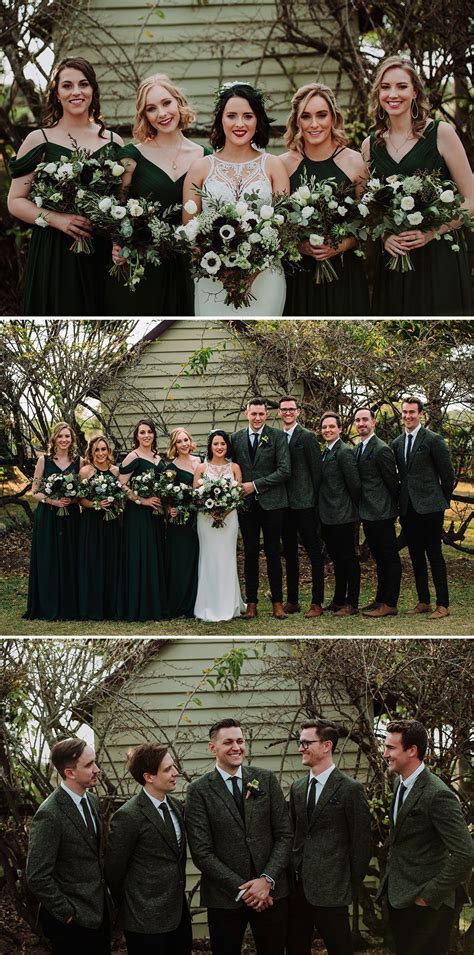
(105, 204)
(38, 201)
(241, 207)
(254, 238)
(134, 208)
(191, 207)
(415, 218)
(349, 201)
(307, 212)
(407, 203)
(65, 170)
(363, 210)
(332, 204)
(303, 192)
(342, 210)
(316, 240)
(50, 167)
(447, 195)
(118, 212)
(266, 212)
(117, 169)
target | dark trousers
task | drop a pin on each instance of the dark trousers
(332, 924)
(340, 542)
(382, 540)
(177, 942)
(74, 939)
(227, 929)
(420, 930)
(305, 523)
(423, 534)
(252, 520)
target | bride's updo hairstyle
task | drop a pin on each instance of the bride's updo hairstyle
(255, 99)
(225, 437)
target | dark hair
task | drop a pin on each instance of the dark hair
(54, 110)
(224, 436)
(256, 102)
(65, 754)
(288, 398)
(411, 400)
(331, 414)
(413, 733)
(228, 723)
(327, 730)
(258, 400)
(150, 424)
(365, 408)
(146, 758)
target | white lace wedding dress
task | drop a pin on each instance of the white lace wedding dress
(218, 594)
(229, 181)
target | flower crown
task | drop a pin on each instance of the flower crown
(225, 87)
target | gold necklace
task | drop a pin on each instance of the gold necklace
(174, 164)
(405, 141)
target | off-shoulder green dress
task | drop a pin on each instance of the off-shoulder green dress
(142, 587)
(439, 283)
(165, 289)
(182, 558)
(58, 281)
(52, 585)
(99, 562)
(348, 294)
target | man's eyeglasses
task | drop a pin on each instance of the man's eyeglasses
(305, 743)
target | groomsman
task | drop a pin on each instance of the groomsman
(427, 483)
(240, 839)
(301, 518)
(338, 499)
(64, 868)
(332, 848)
(378, 509)
(431, 850)
(146, 858)
(264, 458)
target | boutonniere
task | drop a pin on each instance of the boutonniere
(264, 440)
(253, 789)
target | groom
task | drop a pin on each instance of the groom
(264, 458)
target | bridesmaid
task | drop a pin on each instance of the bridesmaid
(142, 573)
(58, 281)
(52, 586)
(99, 542)
(406, 140)
(157, 164)
(318, 147)
(182, 546)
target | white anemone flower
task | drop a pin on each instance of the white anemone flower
(227, 232)
(118, 212)
(211, 263)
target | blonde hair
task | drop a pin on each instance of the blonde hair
(293, 136)
(172, 451)
(90, 449)
(72, 450)
(382, 124)
(142, 130)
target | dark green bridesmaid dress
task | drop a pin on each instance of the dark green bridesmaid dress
(52, 586)
(348, 295)
(182, 556)
(58, 281)
(99, 562)
(165, 289)
(141, 590)
(439, 284)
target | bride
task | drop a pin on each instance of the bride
(239, 134)
(218, 593)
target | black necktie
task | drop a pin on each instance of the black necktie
(168, 821)
(324, 455)
(409, 443)
(237, 794)
(401, 797)
(87, 815)
(311, 798)
(253, 446)
(360, 449)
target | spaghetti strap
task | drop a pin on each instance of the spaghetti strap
(45, 136)
(338, 149)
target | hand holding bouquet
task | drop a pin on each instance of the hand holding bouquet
(58, 487)
(217, 497)
(176, 495)
(147, 484)
(100, 488)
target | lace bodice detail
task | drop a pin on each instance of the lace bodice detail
(215, 471)
(230, 181)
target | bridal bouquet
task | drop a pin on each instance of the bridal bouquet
(178, 495)
(400, 203)
(68, 184)
(147, 484)
(139, 226)
(233, 242)
(104, 487)
(324, 212)
(60, 485)
(217, 496)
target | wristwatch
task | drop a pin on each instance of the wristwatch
(269, 879)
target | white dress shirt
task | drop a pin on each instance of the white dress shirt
(289, 432)
(408, 784)
(321, 780)
(157, 803)
(413, 434)
(77, 801)
(225, 776)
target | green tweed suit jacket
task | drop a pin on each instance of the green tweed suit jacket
(271, 468)
(431, 850)
(64, 869)
(145, 867)
(380, 486)
(332, 853)
(229, 850)
(340, 486)
(429, 479)
(303, 486)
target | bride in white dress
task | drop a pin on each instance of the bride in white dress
(218, 594)
(240, 132)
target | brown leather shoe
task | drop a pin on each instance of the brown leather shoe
(420, 608)
(333, 607)
(372, 606)
(439, 613)
(346, 611)
(251, 611)
(278, 611)
(383, 610)
(291, 608)
(314, 611)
